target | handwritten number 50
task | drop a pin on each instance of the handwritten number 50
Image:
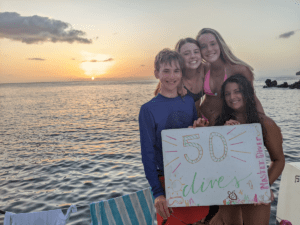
(187, 143)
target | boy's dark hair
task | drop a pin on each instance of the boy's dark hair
(248, 94)
(168, 56)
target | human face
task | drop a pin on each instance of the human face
(209, 47)
(170, 77)
(191, 55)
(233, 97)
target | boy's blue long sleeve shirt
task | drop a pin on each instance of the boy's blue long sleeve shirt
(158, 114)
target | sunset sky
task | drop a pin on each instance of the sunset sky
(65, 40)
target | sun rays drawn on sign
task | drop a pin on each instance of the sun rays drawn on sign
(237, 144)
(240, 151)
(171, 137)
(237, 135)
(176, 168)
(238, 158)
(169, 143)
(230, 131)
(171, 161)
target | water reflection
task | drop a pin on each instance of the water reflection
(77, 143)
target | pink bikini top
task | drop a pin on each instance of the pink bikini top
(207, 89)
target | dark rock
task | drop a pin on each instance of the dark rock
(295, 85)
(273, 83)
(284, 85)
(298, 73)
(270, 83)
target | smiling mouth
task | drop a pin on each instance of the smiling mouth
(172, 82)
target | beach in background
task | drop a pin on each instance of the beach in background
(78, 142)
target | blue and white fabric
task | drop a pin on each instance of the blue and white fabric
(133, 209)
(51, 217)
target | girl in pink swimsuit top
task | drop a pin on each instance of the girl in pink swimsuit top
(207, 89)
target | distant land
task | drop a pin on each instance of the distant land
(298, 73)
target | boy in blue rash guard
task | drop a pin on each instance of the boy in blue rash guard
(167, 110)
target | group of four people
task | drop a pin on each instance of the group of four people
(203, 67)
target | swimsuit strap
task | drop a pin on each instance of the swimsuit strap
(225, 77)
(207, 89)
(206, 84)
(196, 97)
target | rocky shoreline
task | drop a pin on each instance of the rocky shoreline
(273, 83)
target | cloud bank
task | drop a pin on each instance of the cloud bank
(287, 34)
(37, 29)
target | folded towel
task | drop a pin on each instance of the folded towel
(133, 209)
(51, 217)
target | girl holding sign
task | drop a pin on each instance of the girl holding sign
(239, 107)
(223, 64)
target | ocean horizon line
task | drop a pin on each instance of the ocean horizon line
(127, 80)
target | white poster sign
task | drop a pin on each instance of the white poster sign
(221, 165)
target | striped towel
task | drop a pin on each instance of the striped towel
(133, 209)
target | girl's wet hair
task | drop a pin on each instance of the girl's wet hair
(249, 100)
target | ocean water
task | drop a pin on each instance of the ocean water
(78, 142)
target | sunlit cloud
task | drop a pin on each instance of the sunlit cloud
(108, 60)
(36, 29)
(37, 59)
(287, 34)
(96, 64)
(95, 60)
